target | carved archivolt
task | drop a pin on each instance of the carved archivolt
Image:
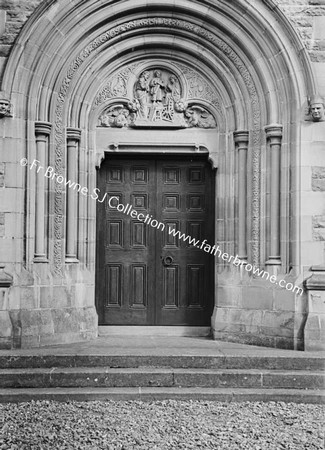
(157, 99)
(154, 23)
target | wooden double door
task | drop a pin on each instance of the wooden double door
(145, 274)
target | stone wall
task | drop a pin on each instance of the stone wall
(13, 15)
(308, 19)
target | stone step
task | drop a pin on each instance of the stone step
(274, 362)
(153, 393)
(159, 377)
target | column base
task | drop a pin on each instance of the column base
(273, 261)
(243, 259)
(71, 260)
(40, 259)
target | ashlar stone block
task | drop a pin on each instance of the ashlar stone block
(318, 178)
(319, 228)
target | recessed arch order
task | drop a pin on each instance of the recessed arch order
(247, 51)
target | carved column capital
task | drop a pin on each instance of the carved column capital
(43, 128)
(241, 137)
(74, 134)
(274, 133)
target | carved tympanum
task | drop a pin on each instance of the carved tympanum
(157, 101)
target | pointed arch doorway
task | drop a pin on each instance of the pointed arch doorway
(147, 274)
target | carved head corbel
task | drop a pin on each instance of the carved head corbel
(316, 108)
(5, 107)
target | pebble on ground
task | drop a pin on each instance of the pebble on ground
(161, 425)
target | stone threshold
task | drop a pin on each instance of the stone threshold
(154, 331)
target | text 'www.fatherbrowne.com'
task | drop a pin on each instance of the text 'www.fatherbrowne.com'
(113, 202)
(214, 250)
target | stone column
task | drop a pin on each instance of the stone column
(42, 131)
(241, 142)
(73, 138)
(274, 140)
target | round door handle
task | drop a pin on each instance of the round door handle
(168, 261)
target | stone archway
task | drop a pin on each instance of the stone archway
(69, 85)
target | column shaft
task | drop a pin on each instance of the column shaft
(274, 137)
(42, 130)
(73, 137)
(241, 141)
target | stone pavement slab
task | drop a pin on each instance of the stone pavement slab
(160, 346)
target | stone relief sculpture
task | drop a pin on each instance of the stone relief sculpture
(141, 93)
(157, 101)
(316, 108)
(5, 108)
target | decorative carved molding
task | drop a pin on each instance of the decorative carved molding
(199, 88)
(117, 85)
(6, 108)
(170, 115)
(154, 23)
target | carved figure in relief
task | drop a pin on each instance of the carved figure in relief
(172, 90)
(117, 117)
(157, 87)
(142, 90)
(157, 101)
(199, 117)
(118, 87)
(316, 108)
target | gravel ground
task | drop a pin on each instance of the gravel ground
(161, 425)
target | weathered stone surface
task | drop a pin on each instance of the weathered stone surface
(258, 298)
(36, 322)
(318, 178)
(159, 377)
(2, 175)
(6, 330)
(319, 228)
(2, 224)
(303, 380)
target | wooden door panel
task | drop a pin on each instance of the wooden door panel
(146, 276)
(124, 245)
(185, 193)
